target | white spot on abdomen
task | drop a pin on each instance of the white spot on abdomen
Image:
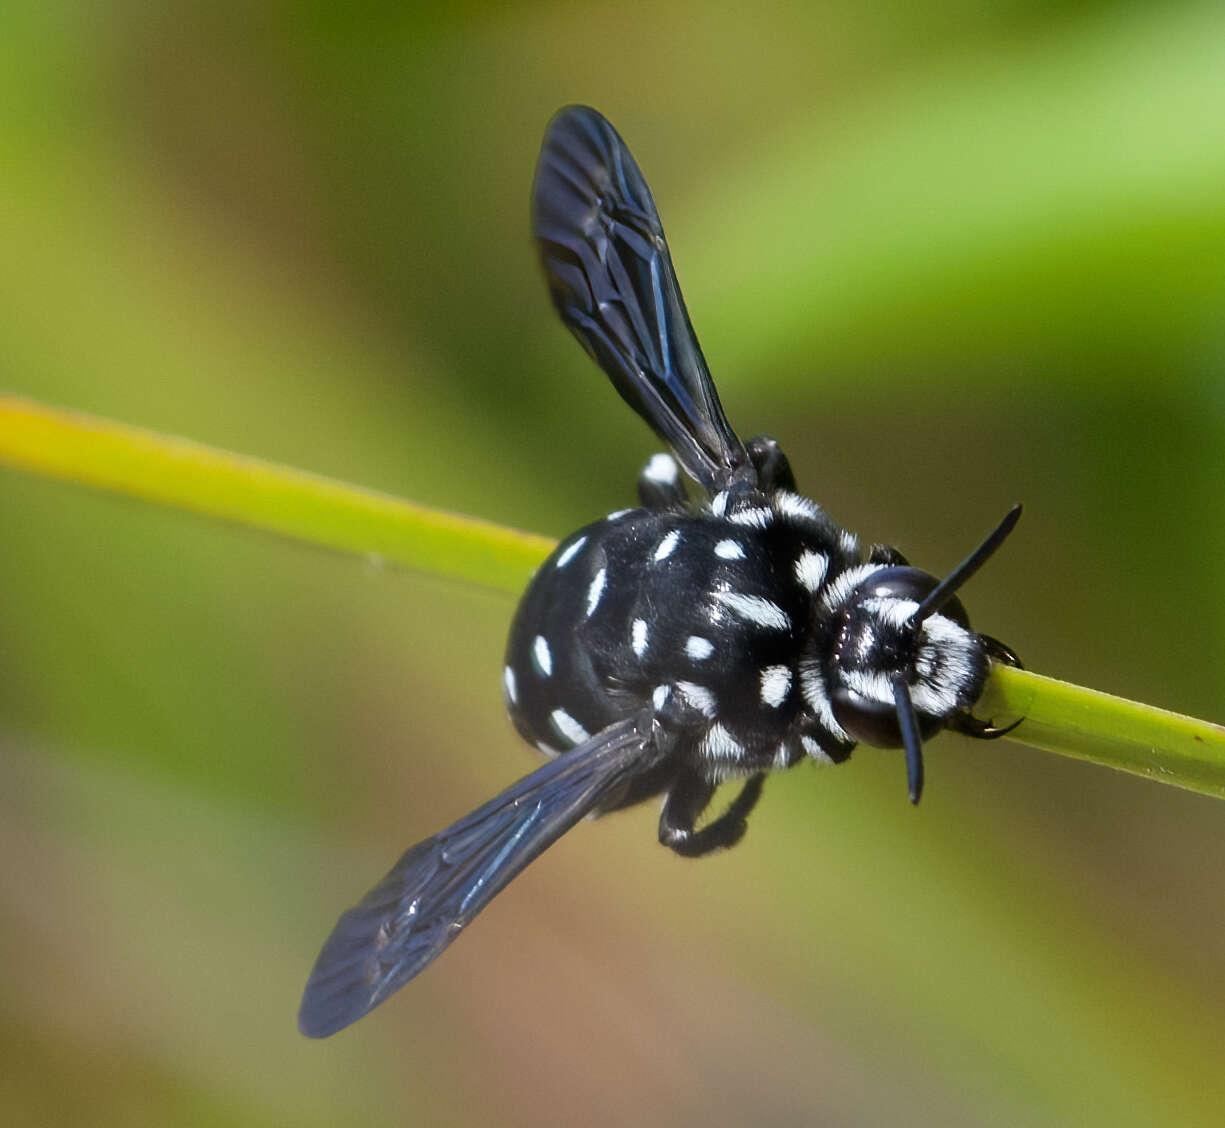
(542, 656)
(567, 727)
(729, 550)
(570, 552)
(698, 647)
(508, 682)
(638, 636)
(595, 591)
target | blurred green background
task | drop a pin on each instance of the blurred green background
(952, 254)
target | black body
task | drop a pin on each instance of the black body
(668, 648)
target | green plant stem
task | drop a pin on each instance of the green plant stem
(188, 475)
(1104, 729)
(1058, 717)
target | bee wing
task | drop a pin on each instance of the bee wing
(611, 277)
(406, 921)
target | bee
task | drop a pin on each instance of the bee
(667, 649)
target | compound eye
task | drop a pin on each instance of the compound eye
(912, 584)
(875, 722)
(869, 722)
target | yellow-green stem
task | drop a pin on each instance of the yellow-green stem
(1104, 729)
(128, 460)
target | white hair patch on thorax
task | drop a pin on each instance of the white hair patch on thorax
(667, 546)
(698, 647)
(719, 744)
(729, 550)
(795, 507)
(840, 587)
(775, 685)
(754, 517)
(755, 609)
(701, 698)
(810, 569)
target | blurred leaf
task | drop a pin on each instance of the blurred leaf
(1048, 192)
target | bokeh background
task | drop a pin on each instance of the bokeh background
(953, 254)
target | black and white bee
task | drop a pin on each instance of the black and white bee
(669, 648)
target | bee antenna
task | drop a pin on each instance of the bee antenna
(943, 591)
(908, 722)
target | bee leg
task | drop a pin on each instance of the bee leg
(970, 725)
(773, 468)
(660, 485)
(998, 652)
(684, 806)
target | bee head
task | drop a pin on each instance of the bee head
(881, 640)
(905, 661)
